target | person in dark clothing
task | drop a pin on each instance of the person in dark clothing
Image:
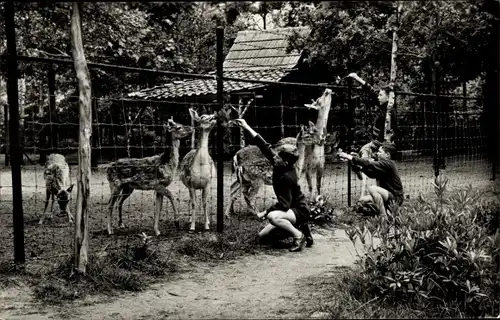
(377, 99)
(390, 188)
(291, 210)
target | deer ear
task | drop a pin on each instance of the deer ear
(311, 124)
(171, 125)
(70, 188)
(194, 114)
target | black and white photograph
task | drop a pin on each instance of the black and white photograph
(249, 159)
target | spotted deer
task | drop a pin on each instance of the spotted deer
(56, 176)
(197, 168)
(150, 173)
(254, 170)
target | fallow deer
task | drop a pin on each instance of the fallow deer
(254, 170)
(56, 176)
(197, 168)
(314, 162)
(150, 173)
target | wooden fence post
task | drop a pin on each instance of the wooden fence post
(15, 144)
(83, 177)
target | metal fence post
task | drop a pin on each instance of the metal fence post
(350, 122)
(15, 151)
(220, 146)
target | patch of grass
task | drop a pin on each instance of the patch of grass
(341, 296)
(129, 269)
(9, 274)
(239, 238)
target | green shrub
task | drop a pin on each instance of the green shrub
(438, 255)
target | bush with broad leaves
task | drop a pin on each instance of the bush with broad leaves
(439, 255)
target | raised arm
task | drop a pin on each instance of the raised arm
(371, 90)
(374, 168)
(263, 145)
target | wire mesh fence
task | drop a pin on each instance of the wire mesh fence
(146, 140)
(444, 132)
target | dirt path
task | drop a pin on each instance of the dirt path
(263, 286)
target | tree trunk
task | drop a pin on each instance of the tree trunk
(387, 129)
(83, 177)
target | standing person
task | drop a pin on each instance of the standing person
(291, 210)
(379, 99)
(390, 188)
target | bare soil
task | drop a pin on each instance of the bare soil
(279, 284)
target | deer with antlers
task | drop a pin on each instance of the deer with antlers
(56, 176)
(150, 173)
(197, 167)
(254, 170)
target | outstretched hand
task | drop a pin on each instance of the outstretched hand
(344, 156)
(262, 215)
(240, 122)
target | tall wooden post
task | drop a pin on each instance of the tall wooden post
(388, 125)
(220, 146)
(83, 177)
(15, 147)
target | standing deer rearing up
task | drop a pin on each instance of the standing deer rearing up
(197, 168)
(151, 173)
(56, 176)
(314, 161)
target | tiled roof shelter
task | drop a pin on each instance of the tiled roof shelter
(254, 55)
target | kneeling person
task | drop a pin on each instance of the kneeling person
(291, 210)
(390, 188)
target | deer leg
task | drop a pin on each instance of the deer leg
(309, 182)
(167, 193)
(115, 193)
(47, 195)
(192, 205)
(126, 192)
(158, 206)
(204, 204)
(249, 194)
(51, 215)
(235, 187)
(319, 176)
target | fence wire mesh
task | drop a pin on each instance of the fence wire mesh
(127, 127)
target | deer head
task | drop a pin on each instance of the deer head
(206, 121)
(321, 102)
(178, 130)
(310, 135)
(63, 198)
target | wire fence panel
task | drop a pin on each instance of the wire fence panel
(136, 134)
(137, 127)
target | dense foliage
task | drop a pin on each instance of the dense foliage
(440, 255)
